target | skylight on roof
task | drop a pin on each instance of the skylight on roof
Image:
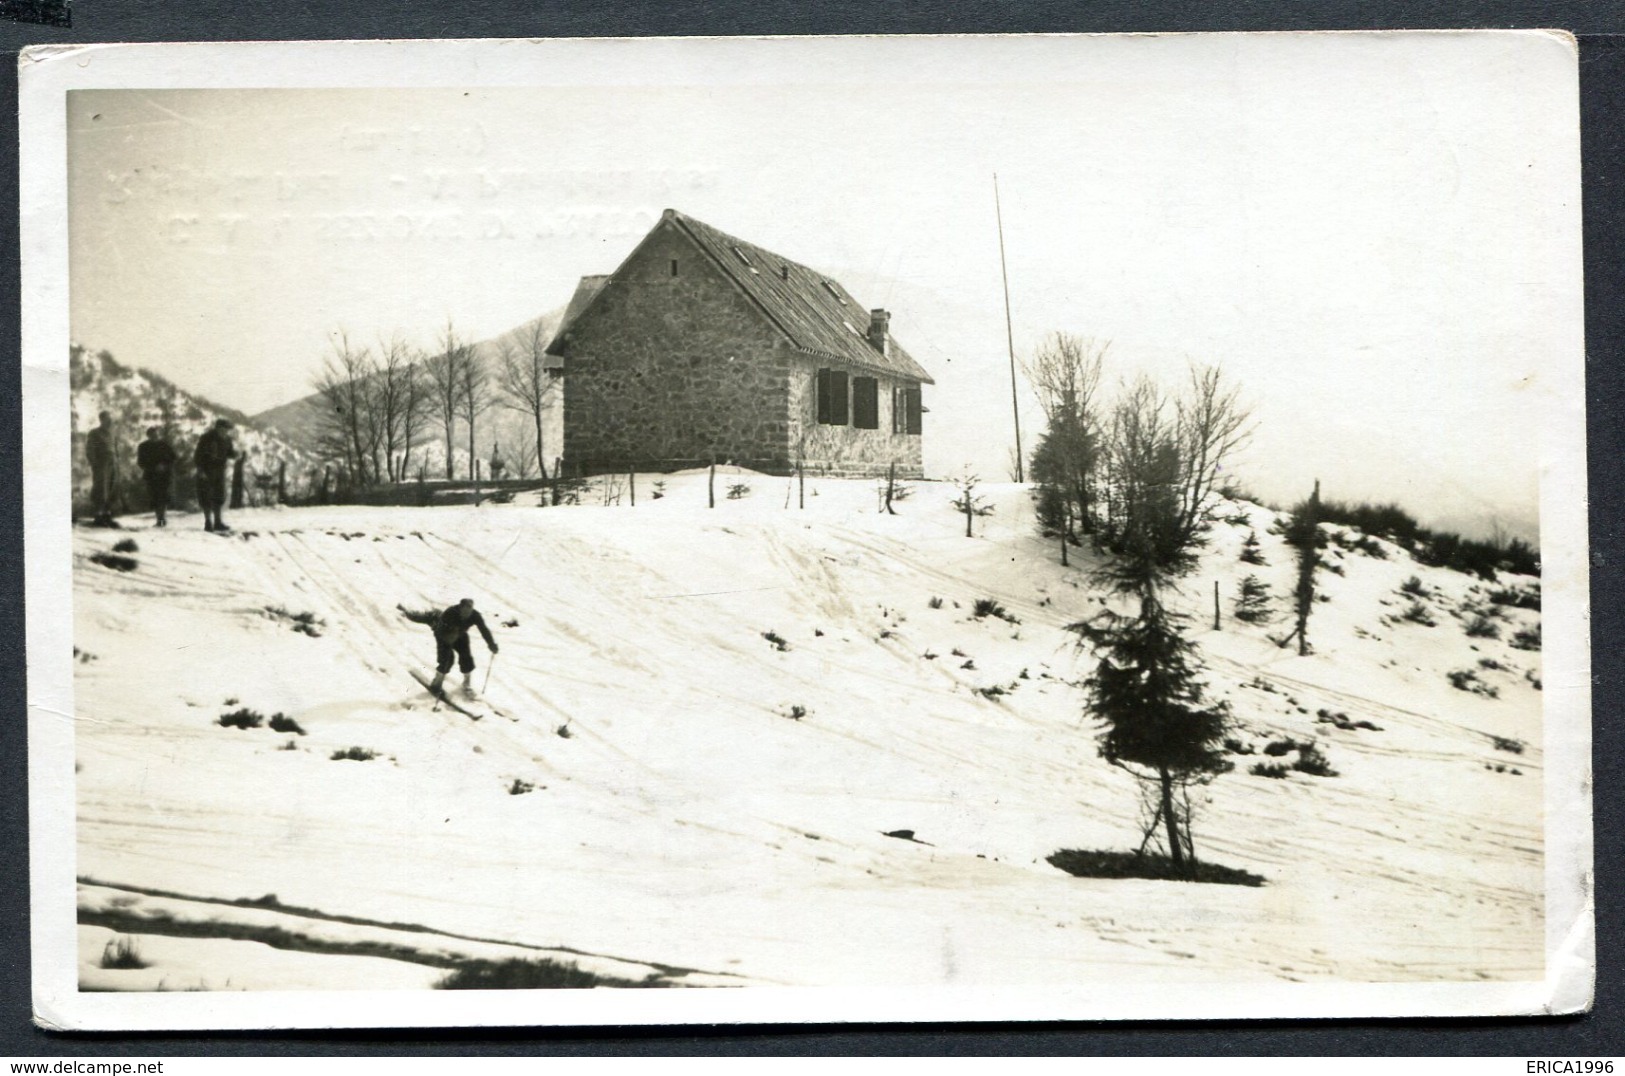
(833, 290)
(741, 255)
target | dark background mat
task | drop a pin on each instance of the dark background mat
(1602, 87)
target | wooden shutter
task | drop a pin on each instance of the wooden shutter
(865, 403)
(912, 408)
(821, 381)
(837, 398)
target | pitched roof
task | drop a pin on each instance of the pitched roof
(586, 292)
(814, 312)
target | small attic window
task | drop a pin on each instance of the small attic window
(674, 267)
(833, 290)
(741, 255)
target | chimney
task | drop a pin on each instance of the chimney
(879, 322)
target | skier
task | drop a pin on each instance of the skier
(103, 457)
(214, 450)
(451, 637)
(156, 458)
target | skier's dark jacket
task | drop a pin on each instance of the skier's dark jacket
(450, 627)
(213, 450)
(155, 458)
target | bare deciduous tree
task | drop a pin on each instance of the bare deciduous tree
(527, 385)
(444, 372)
(344, 385)
(473, 399)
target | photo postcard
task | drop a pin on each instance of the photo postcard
(663, 531)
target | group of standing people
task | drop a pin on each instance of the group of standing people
(156, 458)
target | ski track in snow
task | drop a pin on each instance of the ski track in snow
(687, 819)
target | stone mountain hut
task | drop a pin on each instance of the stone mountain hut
(704, 348)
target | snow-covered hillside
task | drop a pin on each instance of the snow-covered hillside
(756, 744)
(138, 399)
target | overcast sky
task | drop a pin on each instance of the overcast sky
(1368, 233)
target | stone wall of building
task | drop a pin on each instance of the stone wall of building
(846, 451)
(669, 370)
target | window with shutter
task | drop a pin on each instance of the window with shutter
(865, 403)
(832, 397)
(912, 409)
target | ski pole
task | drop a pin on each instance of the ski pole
(488, 666)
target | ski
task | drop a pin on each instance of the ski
(444, 697)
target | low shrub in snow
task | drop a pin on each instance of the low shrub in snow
(305, 623)
(738, 490)
(122, 953)
(1413, 586)
(241, 719)
(354, 754)
(537, 974)
(1313, 761)
(1482, 627)
(115, 561)
(126, 546)
(1506, 743)
(1418, 614)
(797, 712)
(935, 603)
(1526, 638)
(986, 607)
(1519, 598)
(284, 723)
(776, 639)
(1101, 863)
(1278, 748)
(519, 787)
(1468, 680)
(1269, 769)
(563, 731)
(1237, 747)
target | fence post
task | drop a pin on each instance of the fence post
(632, 485)
(711, 486)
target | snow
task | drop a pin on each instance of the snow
(718, 810)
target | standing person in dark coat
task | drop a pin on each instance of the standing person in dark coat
(156, 458)
(214, 452)
(99, 450)
(451, 629)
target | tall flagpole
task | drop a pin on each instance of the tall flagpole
(1009, 335)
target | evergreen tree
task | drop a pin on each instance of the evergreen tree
(1253, 604)
(1145, 690)
(1303, 534)
(1251, 552)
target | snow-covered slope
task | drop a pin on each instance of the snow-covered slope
(710, 721)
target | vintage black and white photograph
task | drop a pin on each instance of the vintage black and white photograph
(806, 529)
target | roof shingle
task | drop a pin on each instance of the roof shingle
(814, 312)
